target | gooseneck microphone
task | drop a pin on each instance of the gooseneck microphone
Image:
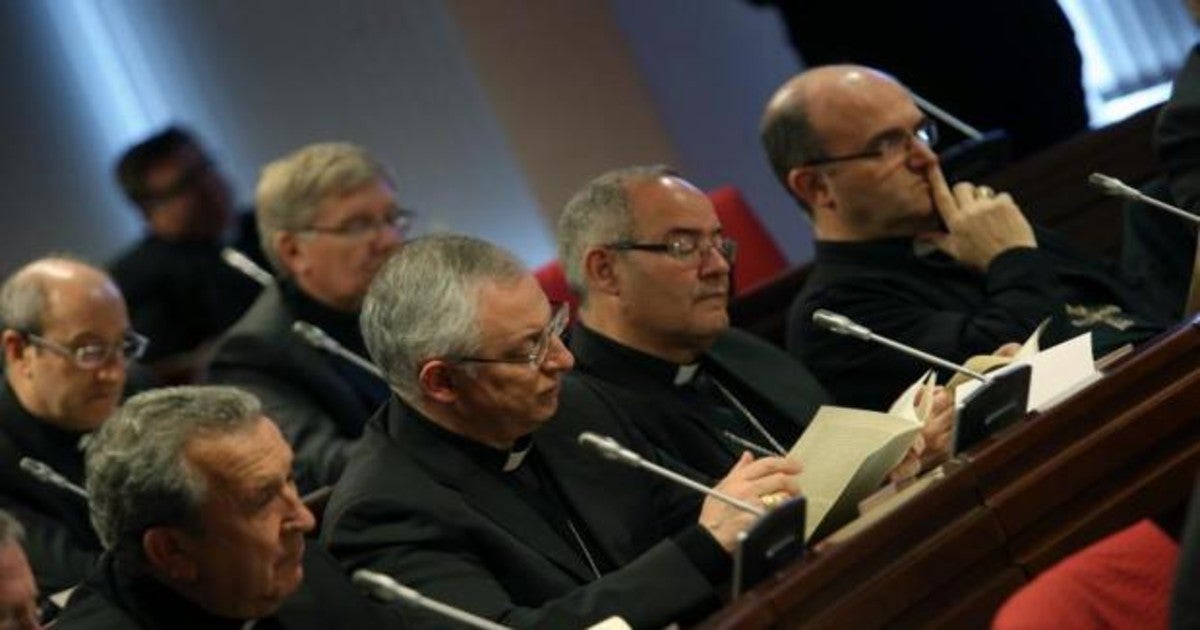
(384, 588)
(842, 325)
(609, 448)
(321, 340)
(1117, 188)
(45, 474)
(242, 263)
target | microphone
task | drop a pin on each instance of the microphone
(385, 588)
(242, 263)
(321, 340)
(1117, 188)
(609, 448)
(45, 474)
(842, 325)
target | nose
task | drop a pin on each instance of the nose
(921, 155)
(559, 359)
(113, 369)
(713, 261)
(388, 237)
(300, 519)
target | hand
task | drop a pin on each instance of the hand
(748, 480)
(1009, 349)
(939, 428)
(980, 224)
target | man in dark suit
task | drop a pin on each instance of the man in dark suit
(471, 486)
(180, 293)
(953, 271)
(66, 343)
(192, 493)
(644, 251)
(328, 218)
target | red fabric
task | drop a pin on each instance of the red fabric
(1123, 581)
(554, 284)
(759, 258)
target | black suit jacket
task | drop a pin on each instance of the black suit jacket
(59, 539)
(416, 506)
(115, 599)
(320, 412)
(775, 387)
(1177, 137)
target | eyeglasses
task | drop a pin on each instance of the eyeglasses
(541, 349)
(94, 355)
(889, 146)
(683, 246)
(399, 220)
(186, 182)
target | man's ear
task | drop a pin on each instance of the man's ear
(168, 551)
(600, 271)
(287, 249)
(437, 381)
(809, 185)
(14, 346)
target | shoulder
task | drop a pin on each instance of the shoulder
(91, 609)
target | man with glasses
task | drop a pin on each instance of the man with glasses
(328, 219)
(471, 486)
(179, 291)
(67, 341)
(644, 251)
(955, 271)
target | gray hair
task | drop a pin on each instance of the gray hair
(598, 214)
(423, 304)
(789, 139)
(137, 475)
(11, 531)
(24, 295)
(291, 188)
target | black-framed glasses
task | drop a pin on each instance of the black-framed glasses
(889, 146)
(399, 220)
(541, 349)
(683, 246)
(95, 355)
(186, 182)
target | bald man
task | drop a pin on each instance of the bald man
(66, 342)
(955, 271)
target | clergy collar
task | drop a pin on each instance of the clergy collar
(503, 460)
(609, 355)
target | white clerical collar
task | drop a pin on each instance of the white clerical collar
(517, 456)
(686, 373)
(922, 248)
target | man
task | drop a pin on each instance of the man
(473, 490)
(67, 341)
(18, 591)
(644, 251)
(179, 290)
(955, 272)
(328, 218)
(192, 493)
(1177, 136)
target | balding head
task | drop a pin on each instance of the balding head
(51, 308)
(804, 113)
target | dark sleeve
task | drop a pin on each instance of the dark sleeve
(444, 563)
(1177, 137)
(59, 562)
(1185, 599)
(321, 451)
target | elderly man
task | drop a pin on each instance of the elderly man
(328, 218)
(644, 251)
(192, 493)
(471, 486)
(179, 291)
(18, 591)
(953, 271)
(66, 343)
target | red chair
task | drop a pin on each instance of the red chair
(759, 259)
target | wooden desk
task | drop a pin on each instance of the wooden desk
(1122, 449)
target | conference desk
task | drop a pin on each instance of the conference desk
(1123, 448)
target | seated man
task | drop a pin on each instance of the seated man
(179, 291)
(66, 343)
(192, 493)
(18, 591)
(473, 490)
(643, 250)
(953, 272)
(328, 218)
